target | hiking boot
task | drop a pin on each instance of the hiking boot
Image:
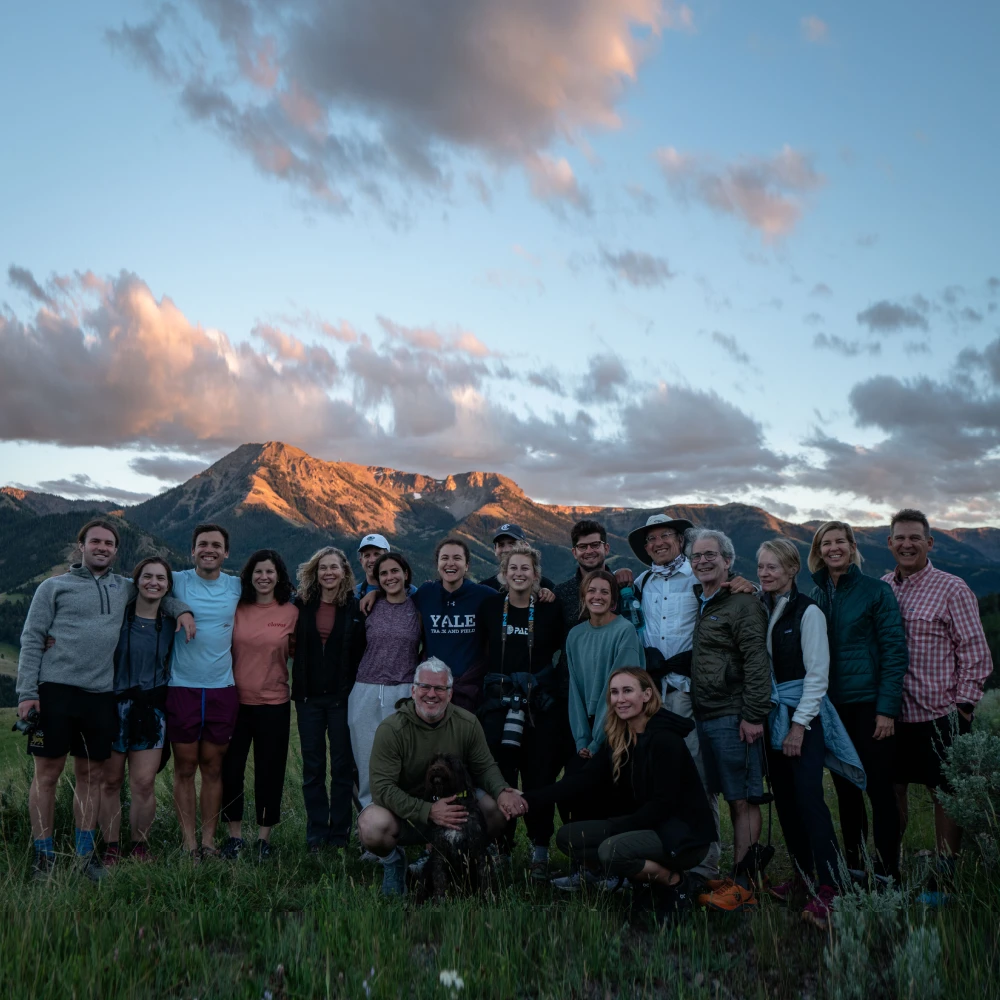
(819, 908)
(394, 874)
(140, 852)
(230, 849)
(538, 871)
(417, 866)
(264, 851)
(730, 897)
(93, 868)
(43, 868)
(111, 856)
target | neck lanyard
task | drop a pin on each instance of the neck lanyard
(506, 629)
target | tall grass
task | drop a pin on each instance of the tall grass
(301, 926)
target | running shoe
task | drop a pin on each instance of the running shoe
(93, 868)
(583, 877)
(264, 850)
(140, 852)
(819, 908)
(787, 890)
(111, 856)
(42, 868)
(394, 874)
(230, 849)
(538, 871)
(730, 897)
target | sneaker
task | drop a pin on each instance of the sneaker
(818, 909)
(584, 877)
(43, 867)
(394, 874)
(730, 897)
(140, 852)
(111, 856)
(670, 903)
(315, 848)
(231, 848)
(372, 859)
(538, 871)
(93, 868)
(264, 850)
(417, 867)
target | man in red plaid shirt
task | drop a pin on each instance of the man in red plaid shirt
(949, 661)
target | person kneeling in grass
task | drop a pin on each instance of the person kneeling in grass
(659, 825)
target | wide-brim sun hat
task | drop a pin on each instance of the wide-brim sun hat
(637, 537)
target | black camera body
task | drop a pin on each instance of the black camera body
(27, 725)
(516, 701)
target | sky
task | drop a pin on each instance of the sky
(622, 251)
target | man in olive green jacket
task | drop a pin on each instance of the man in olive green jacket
(405, 743)
(730, 698)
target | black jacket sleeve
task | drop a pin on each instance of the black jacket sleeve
(594, 778)
(663, 802)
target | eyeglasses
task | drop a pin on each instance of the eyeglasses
(436, 688)
(588, 546)
(663, 536)
(708, 557)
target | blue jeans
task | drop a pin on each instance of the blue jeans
(797, 784)
(328, 817)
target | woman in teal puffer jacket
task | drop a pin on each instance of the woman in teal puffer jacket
(868, 659)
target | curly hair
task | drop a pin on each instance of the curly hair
(282, 589)
(522, 549)
(309, 585)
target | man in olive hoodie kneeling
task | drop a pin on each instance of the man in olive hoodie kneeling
(423, 726)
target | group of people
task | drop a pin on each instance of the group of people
(652, 695)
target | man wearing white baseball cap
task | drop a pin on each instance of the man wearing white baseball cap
(369, 549)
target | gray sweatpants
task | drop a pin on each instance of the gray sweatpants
(367, 706)
(680, 703)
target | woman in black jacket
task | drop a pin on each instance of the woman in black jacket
(644, 780)
(329, 644)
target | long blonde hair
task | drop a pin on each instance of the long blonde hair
(309, 586)
(620, 736)
(815, 561)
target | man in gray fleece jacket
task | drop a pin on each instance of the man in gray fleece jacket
(71, 684)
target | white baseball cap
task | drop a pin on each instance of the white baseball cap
(375, 541)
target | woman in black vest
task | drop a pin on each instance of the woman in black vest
(329, 644)
(800, 660)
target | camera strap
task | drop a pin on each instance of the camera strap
(506, 630)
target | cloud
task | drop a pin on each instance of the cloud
(644, 201)
(81, 485)
(812, 318)
(764, 192)
(606, 376)
(867, 240)
(951, 423)
(849, 348)
(167, 468)
(891, 317)
(813, 29)
(131, 370)
(728, 343)
(639, 269)
(23, 279)
(777, 507)
(339, 98)
(821, 290)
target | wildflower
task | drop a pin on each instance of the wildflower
(450, 979)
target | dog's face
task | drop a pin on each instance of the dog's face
(447, 775)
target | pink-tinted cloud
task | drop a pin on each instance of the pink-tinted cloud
(814, 29)
(766, 193)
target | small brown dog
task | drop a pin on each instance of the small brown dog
(458, 858)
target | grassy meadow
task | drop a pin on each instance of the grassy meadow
(304, 927)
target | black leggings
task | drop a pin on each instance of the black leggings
(621, 855)
(878, 757)
(538, 761)
(267, 728)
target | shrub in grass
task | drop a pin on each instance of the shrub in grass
(972, 765)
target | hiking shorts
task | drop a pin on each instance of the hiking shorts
(202, 714)
(71, 720)
(921, 749)
(733, 768)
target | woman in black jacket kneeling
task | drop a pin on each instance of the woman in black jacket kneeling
(329, 643)
(660, 825)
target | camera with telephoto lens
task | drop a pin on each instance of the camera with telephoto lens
(27, 725)
(513, 724)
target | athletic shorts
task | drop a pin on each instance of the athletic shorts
(202, 714)
(733, 768)
(122, 745)
(921, 747)
(71, 720)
